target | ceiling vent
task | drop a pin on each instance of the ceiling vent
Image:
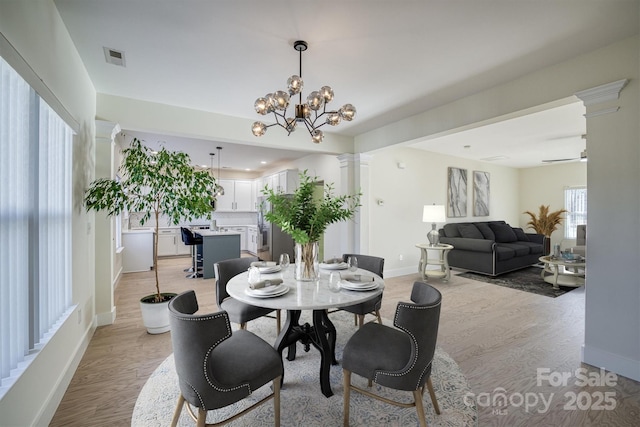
(115, 57)
(494, 158)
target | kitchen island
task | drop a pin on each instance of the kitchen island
(217, 246)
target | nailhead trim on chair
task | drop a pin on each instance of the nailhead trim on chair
(204, 364)
(413, 339)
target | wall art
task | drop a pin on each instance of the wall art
(481, 193)
(457, 193)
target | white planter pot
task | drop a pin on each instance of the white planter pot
(155, 315)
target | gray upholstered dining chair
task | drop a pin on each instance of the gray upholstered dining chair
(376, 266)
(239, 312)
(217, 367)
(397, 358)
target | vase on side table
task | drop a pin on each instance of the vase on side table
(307, 267)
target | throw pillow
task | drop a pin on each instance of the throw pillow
(470, 231)
(504, 233)
(486, 231)
(520, 234)
(451, 230)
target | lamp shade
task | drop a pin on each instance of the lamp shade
(433, 213)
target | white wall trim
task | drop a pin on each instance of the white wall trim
(602, 93)
(403, 271)
(601, 112)
(611, 362)
(50, 405)
(107, 318)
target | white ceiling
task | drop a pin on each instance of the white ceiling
(391, 59)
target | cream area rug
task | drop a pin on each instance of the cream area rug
(302, 402)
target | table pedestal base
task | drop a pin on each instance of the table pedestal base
(322, 335)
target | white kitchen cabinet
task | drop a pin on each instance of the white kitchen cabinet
(238, 196)
(181, 248)
(243, 236)
(285, 181)
(170, 242)
(243, 196)
(226, 202)
(288, 181)
(166, 242)
(252, 240)
(138, 250)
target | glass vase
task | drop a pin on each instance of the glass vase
(307, 267)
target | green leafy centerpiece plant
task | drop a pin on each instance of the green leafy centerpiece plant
(154, 184)
(545, 223)
(306, 218)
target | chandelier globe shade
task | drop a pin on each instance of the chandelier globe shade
(313, 113)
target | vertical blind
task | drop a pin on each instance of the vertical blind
(35, 223)
(575, 202)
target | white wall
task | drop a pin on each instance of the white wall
(396, 227)
(545, 185)
(37, 33)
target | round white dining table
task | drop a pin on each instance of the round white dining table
(314, 296)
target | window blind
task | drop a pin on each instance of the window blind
(35, 223)
(575, 202)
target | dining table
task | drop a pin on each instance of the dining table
(296, 296)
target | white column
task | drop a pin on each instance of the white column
(354, 178)
(105, 245)
(612, 314)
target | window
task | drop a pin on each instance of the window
(35, 223)
(575, 202)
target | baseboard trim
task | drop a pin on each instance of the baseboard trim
(108, 318)
(401, 271)
(611, 362)
(50, 405)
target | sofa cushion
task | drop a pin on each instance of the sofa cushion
(486, 231)
(451, 230)
(518, 249)
(470, 231)
(520, 234)
(504, 253)
(534, 248)
(504, 233)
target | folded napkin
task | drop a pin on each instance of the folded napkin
(263, 264)
(334, 261)
(352, 277)
(265, 283)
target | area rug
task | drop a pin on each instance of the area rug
(528, 280)
(302, 402)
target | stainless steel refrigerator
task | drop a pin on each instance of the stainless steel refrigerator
(272, 241)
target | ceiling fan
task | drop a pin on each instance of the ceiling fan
(582, 158)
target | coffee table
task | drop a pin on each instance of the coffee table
(562, 272)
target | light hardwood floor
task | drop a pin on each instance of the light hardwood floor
(500, 338)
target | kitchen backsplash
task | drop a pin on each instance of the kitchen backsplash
(221, 218)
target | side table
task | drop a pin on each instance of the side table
(441, 260)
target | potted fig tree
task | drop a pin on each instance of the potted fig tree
(154, 184)
(305, 219)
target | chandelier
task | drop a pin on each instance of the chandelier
(278, 101)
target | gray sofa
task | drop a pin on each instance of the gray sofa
(491, 247)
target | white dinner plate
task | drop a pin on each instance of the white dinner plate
(256, 293)
(270, 269)
(358, 286)
(334, 266)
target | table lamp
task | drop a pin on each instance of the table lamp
(433, 213)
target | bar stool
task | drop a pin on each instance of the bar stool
(189, 239)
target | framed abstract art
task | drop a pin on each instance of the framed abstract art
(456, 193)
